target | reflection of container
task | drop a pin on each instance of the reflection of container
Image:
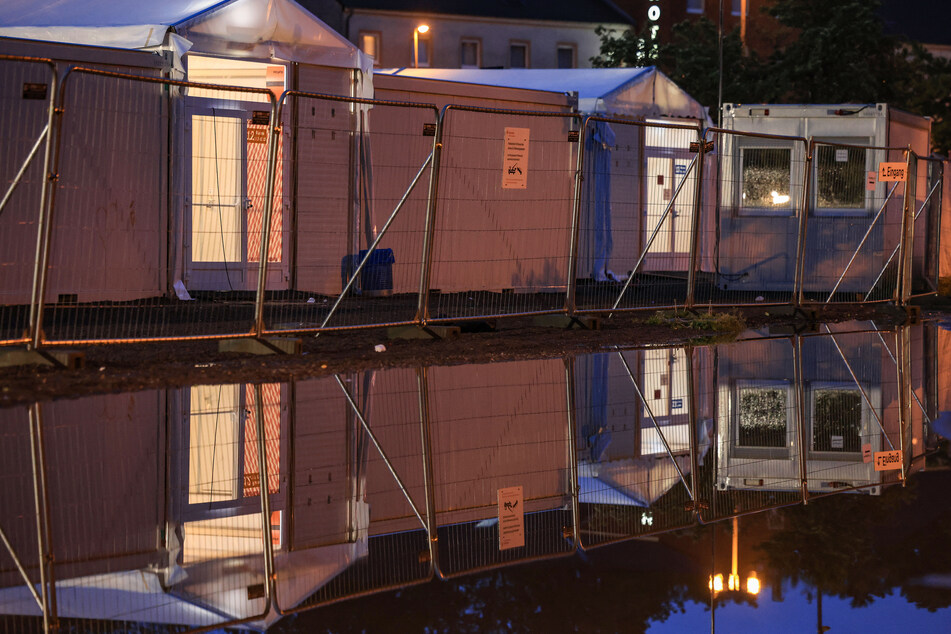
(376, 278)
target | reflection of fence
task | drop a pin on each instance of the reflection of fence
(370, 213)
(385, 479)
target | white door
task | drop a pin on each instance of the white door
(671, 246)
(224, 210)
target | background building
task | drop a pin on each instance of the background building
(474, 34)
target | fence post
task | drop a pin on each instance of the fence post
(422, 308)
(573, 454)
(801, 417)
(907, 237)
(44, 231)
(695, 220)
(42, 503)
(273, 135)
(803, 226)
(570, 302)
(429, 489)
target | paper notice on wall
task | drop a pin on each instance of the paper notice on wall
(841, 156)
(867, 452)
(515, 161)
(511, 518)
(887, 460)
(871, 180)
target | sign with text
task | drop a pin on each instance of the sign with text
(511, 518)
(887, 460)
(867, 452)
(515, 159)
(871, 180)
(891, 172)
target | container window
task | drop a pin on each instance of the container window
(837, 420)
(766, 179)
(840, 178)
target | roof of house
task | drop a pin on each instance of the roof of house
(924, 21)
(592, 11)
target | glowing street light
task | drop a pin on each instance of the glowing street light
(422, 28)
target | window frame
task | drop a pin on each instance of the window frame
(870, 165)
(478, 44)
(378, 37)
(836, 456)
(526, 45)
(753, 143)
(567, 46)
(759, 452)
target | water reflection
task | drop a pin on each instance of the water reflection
(154, 504)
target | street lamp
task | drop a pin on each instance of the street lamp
(422, 28)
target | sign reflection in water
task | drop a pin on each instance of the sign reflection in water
(157, 509)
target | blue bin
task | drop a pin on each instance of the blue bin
(376, 278)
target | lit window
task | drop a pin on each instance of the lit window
(470, 54)
(766, 179)
(370, 44)
(736, 7)
(518, 55)
(763, 411)
(694, 6)
(566, 56)
(423, 52)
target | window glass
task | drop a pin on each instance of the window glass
(518, 56)
(837, 420)
(566, 57)
(766, 175)
(694, 6)
(370, 44)
(423, 52)
(736, 7)
(762, 416)
(840, 177)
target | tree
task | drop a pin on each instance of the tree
(838, 53)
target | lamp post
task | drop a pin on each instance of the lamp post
(422, 28)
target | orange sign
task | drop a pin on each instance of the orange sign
(257, 134)
(511, 518)
(887, 460)
(891, 172)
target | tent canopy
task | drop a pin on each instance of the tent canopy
(614, 91)
(251, 29)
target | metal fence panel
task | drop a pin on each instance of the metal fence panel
(27, 94)
(638, 202)
(854, 222)
(363, 170)
(502, 230)
(757, 207)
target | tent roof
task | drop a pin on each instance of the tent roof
(259, 29)
(622, 91)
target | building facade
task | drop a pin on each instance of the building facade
(469, 34)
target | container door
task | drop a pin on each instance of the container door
(216, 251)
(671, 247)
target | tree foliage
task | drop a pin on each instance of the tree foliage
(837, 53)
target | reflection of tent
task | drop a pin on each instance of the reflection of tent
(631, 482)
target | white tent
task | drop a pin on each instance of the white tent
(250, 29)
(636, 92)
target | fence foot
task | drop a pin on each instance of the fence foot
(567, 322)
(273, 345)
(423, 332)
(912, 315)
(68, 359)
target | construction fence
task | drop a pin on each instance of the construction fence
(141, 208)
(215, 505)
